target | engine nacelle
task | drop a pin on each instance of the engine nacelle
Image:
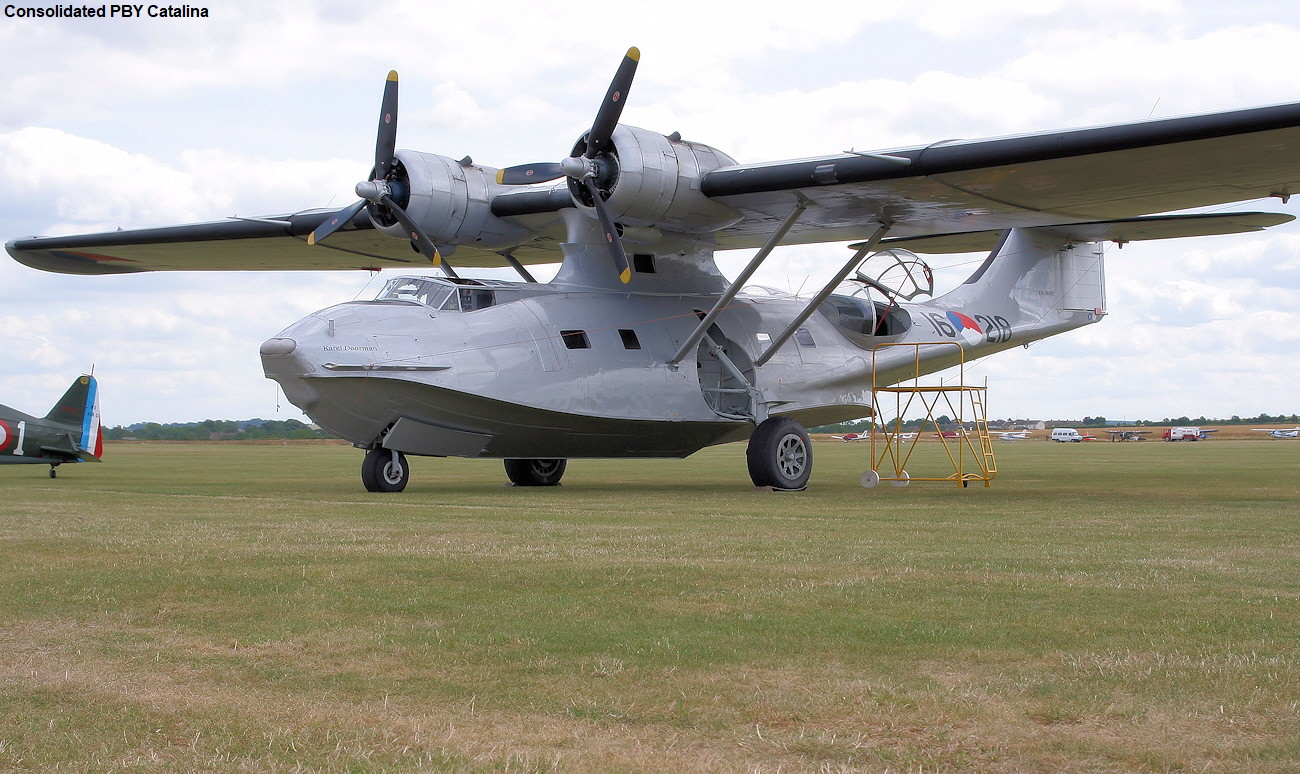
(658, 183)
(451, 202)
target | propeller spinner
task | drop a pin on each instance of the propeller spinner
(378, 190)
(591, 166)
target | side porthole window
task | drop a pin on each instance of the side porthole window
(629, 338)
(575, 339)
(804, 337)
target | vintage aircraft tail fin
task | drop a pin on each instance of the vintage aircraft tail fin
(1057, 270)
(1037, 276)
(79, 407)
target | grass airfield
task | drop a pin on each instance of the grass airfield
(218, 607)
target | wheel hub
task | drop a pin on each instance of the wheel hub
(791, 455)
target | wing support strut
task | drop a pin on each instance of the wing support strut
(730, 294)
(519, 267)
(858, 255)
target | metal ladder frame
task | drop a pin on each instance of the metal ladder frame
(899, 453)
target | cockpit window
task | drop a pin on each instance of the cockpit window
(862, 318)
(438, 298)
(437, 294)
(474, 298)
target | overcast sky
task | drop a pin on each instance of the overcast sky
(270, 107)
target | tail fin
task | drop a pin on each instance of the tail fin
(1039, 275)
(1059, 261)
(80, 406)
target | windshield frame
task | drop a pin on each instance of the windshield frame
(444, 295)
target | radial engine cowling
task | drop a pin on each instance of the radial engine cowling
(450, 201)
(657, 183)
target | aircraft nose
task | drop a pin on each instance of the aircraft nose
(280, 345)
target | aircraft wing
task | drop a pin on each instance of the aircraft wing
(1076, 176)
(1105, 175)
(1122, 231)
(273, 243)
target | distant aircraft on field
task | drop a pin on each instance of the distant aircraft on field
(1128, 435)
(847, 437)
(1013, 436)
(852, 437)
(1292, 433)
(69, 433)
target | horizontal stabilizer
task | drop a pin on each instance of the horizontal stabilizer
(71, 454)
(1124, 230)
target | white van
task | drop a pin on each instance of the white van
(1066, 434)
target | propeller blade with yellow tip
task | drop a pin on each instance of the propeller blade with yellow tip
(524, 174)
(335, 222)
(609, 231)
(611, 109)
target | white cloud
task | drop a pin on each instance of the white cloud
(90, 183)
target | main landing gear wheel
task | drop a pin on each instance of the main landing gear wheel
(385, 470)
(535, 472)
(780, 455)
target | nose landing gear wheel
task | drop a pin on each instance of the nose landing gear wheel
(384, 470)
(779, 455)
(535, 472)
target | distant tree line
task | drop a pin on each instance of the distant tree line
(216, 430)
(1262, 419)
(864, 425)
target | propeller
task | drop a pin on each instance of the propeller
(591, 166)
(387, 178)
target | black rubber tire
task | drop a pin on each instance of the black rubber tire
(384, 470)
(780, 455)
(535, 472)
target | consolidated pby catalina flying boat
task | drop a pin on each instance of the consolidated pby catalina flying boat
(1128, 435)
(639, 346)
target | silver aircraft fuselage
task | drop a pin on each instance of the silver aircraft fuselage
(531, 376)
(450, 367)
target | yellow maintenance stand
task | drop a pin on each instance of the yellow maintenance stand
(971, 453)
